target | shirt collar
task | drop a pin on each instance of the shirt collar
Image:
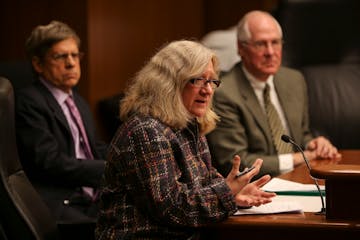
(58, 94)
(257, 84)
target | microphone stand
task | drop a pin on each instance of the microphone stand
(287, 139)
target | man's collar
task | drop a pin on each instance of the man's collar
(59, 95)
(256, 83)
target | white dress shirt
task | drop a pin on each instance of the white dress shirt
(286, 161)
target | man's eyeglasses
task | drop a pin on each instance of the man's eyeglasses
(261, 46)
(202, 82)
(63, 57)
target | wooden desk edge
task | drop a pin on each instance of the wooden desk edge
(281, 220)
(337, 171)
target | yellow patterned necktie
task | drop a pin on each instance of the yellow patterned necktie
(277, 129)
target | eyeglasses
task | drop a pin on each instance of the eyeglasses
(261, 46)
(202, 82)
(63, 57)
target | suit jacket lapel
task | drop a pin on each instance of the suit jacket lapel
(53, 105)
(252, 103)
(286, 99)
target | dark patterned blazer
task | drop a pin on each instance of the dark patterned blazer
(160, 183)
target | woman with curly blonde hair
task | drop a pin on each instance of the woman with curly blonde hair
(159, 182)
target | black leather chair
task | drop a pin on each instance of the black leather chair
(334, 103)
(108, 110)
(23, 213)
(19, 73)
(322, 39)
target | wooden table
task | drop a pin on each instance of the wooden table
(290, 226)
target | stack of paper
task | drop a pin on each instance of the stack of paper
(286, 187)
(291, 197)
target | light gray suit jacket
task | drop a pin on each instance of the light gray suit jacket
(243, 127)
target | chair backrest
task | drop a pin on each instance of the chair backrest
(323, 41)
(23, 213)
(19, 73)
(334, 103)
(108, 111)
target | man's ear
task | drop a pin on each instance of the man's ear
(37, 64)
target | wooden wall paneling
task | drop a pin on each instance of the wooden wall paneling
(122, 35)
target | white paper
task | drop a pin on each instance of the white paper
(281, 185)
(308, 203)
(276, 206)
(287, 203)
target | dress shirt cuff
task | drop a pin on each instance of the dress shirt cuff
(286, 162)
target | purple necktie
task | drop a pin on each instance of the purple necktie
(77, 118)
(83, 139)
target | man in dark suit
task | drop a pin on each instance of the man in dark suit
(57, 147)
(247, 125)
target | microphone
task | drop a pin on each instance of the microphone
(288, 139)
